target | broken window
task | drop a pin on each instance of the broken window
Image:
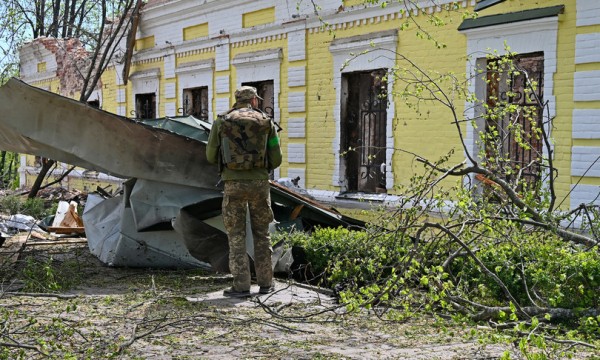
(513, 121)
(266, 91)
(363, 130)
(145, 106)
(195, 102)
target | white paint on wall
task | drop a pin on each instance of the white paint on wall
(588, 12)
(586, 124)
(587, 48)
(586, 85)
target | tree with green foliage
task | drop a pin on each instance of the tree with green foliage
(480, 240)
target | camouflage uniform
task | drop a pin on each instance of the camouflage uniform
(256, 194)
(246, 184)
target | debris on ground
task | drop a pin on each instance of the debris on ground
(66, 220)
(169, 213)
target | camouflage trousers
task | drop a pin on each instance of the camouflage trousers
(256, 196)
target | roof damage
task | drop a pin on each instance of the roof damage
(169, 214)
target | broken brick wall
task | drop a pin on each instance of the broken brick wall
(72, 62)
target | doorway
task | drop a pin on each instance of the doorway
(363, 130)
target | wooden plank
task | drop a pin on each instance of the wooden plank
(66, 230)
(57, 242)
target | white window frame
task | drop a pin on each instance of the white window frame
(367, 53)
(261, 66)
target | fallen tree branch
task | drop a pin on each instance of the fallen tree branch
(493, 312)
(58, 296)
(478, 261)
(23, 346)
(536, 218)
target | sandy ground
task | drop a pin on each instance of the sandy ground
(173, 314)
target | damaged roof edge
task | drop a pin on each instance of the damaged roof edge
(38, 122)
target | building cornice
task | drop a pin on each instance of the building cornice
(380, 39)
(195, 66)
(257, 57)
(266, 32)
(369, 14)
(178, 10)
(349, 17)
(146, 74)
(39, 77)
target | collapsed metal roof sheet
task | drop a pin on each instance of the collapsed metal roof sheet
(170, 212)
(38, 122)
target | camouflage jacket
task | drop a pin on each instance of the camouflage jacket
(256, 131)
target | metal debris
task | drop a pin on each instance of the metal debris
(169, 214)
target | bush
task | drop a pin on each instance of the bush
(342, 256)
(537, 268)
(540, 268)
(34, 207)
(11, 204)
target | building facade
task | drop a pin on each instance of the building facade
(322, 68)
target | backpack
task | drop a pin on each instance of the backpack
(244, 134)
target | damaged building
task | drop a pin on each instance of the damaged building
(320, 67)
(189, 56)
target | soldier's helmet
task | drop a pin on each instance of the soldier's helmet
(246, 93)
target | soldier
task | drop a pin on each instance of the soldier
(244, 142)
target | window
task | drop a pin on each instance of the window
(145, 106)
(265, 90)
(514, 119)
(195, 102)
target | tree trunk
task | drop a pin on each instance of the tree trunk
(2, 160)
(46, 166)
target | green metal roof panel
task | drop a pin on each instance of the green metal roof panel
(511, 17)
(188, 126)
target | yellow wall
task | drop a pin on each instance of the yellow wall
(563, 90)
(259, 17)
(426, 130)
(144, 43)
(196, 31)
(109, 91)
(428, 133)
(320, 123)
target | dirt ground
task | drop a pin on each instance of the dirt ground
(99, 312)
